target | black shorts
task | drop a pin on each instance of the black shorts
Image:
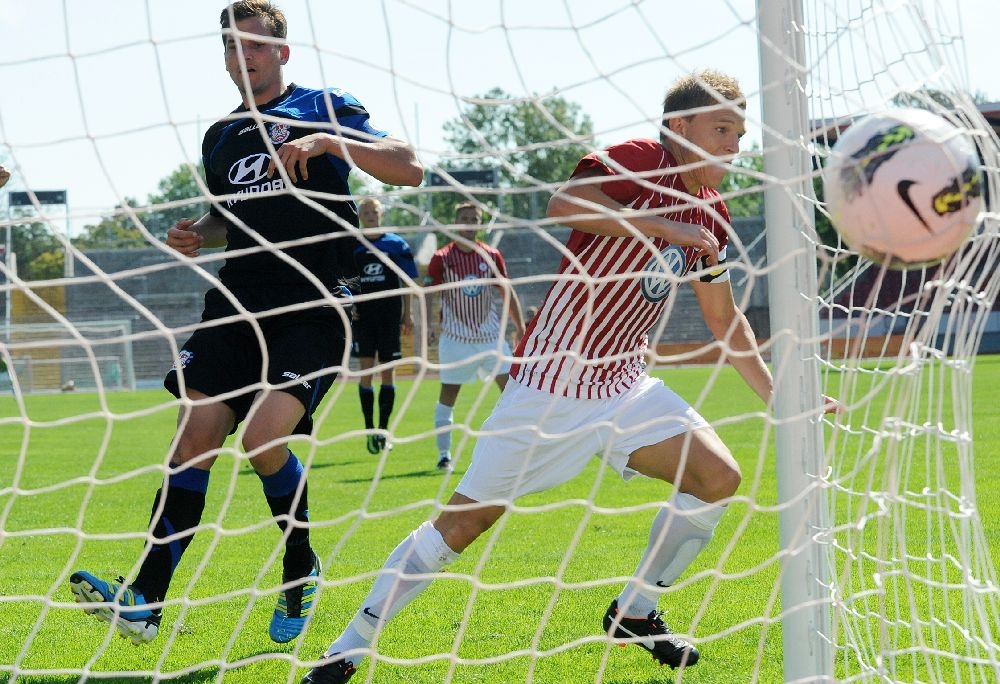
(377, 337)
(305, 351)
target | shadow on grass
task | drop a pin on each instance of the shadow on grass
(428, 472)
(204, 675)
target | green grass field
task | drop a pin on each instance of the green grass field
(77, 475)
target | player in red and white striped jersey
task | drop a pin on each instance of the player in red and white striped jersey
(468, 274)
(646, 220)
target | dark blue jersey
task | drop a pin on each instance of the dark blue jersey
(375, 274)
(265, 211)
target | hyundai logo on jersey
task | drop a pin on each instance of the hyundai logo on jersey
(656, 283)
(372, 273)
(249, 169)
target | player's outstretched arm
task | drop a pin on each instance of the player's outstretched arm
(728, 325)
(582, 205)
(389, 160)
(189, 236)
(514, 311)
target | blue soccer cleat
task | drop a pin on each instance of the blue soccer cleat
(294, 605)
(125, 609)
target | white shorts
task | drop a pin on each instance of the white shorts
(462, 362)
(535, 440)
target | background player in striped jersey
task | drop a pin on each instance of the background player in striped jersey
(274, 373)
(379, 323)
(647, 210)
(470, 318)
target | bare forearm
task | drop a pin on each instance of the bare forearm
(516, 313)
(389, 160)
(744, 356)
(187, 237)
(585, 207)
(212, 230)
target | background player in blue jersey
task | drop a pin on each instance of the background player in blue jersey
(380, 321)
(286, 254)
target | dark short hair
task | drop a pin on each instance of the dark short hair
(701, 89)
(272, 17)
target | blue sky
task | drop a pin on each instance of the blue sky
(105, 97)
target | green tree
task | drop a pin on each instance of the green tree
(738, 185)
(932, 98)
(47, 265)
(115, 231)
(534, 143)
(178, 197)
(39, 252)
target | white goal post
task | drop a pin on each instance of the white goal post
(798, 433)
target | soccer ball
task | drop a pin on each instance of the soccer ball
(903, 187)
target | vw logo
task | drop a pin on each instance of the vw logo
(656, 281)
(473, 288)
(373, 269)
(249, 169)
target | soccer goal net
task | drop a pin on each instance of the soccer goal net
(861, 546)
(84, 355)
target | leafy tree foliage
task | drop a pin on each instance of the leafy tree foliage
(534, 143)
(39, 253)
(737, 186)
(115, 231)
(178, 197)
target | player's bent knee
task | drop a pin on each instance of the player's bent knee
(727, 482)
(459, 528)
(712, 480)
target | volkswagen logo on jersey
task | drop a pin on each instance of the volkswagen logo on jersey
(249, 169)
(279, 133)
(656, 282)
(474, 288)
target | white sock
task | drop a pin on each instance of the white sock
(443, 416)
(676, 538)
(423, 552)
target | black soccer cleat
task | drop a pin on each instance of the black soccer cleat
(653, 635)
(330, 672)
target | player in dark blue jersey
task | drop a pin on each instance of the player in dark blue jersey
(380, 319)
(273, 332)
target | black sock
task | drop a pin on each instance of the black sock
(183, 496)
(386, 400)
(281, 491)
(367, 396)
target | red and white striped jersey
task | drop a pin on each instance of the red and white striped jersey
(469, 309)
(589, 337)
